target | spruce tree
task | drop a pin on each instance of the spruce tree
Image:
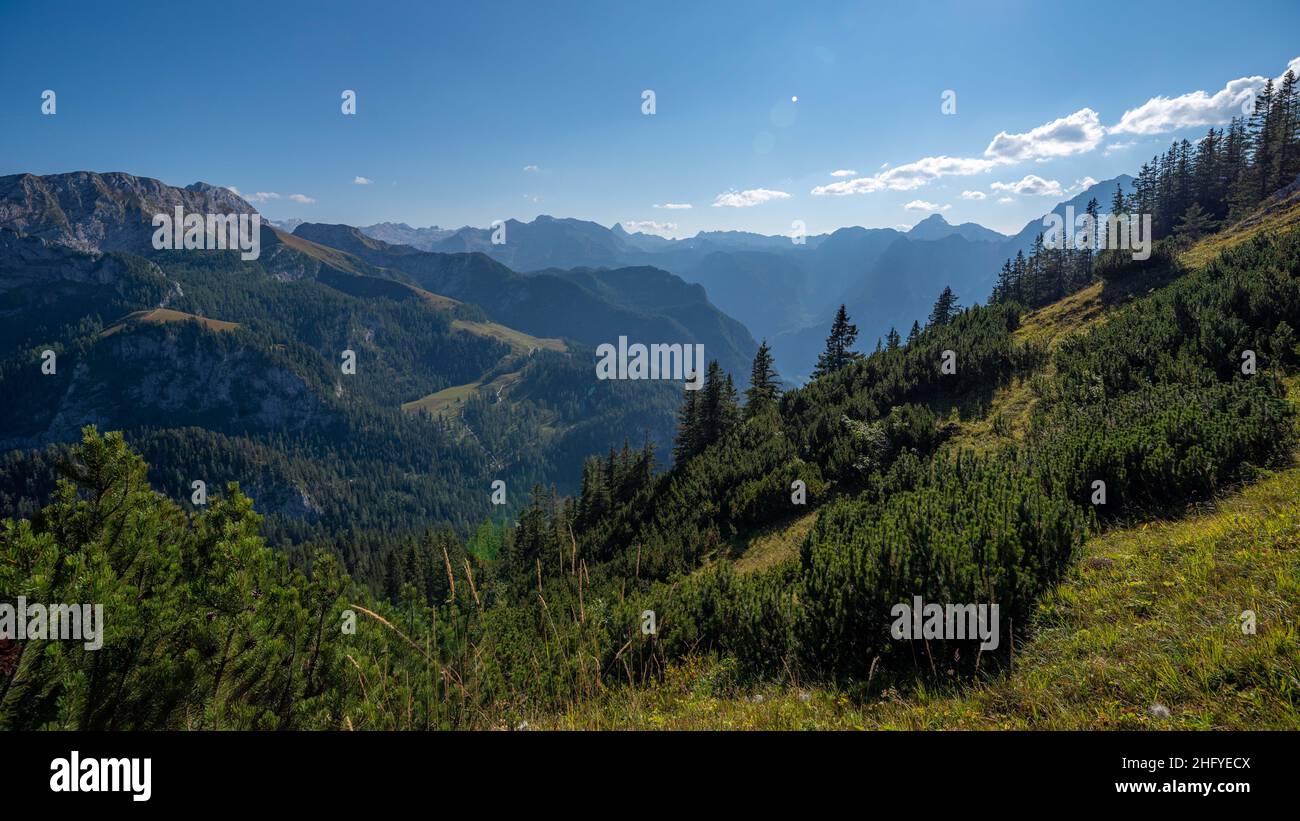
(763, 389)
(946, 307)
(687, 443)
(1195, 222)
(838, 351)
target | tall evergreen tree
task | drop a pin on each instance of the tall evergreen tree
(1194, 223)
(839, 345)
(687, 442)
(763, 388)
(946, 307)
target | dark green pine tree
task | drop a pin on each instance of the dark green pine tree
(1117, 202)
(945, 308)
(915, 333)
(1195, 222)
(729, 413)
(763, 389)
(687, 443)
(839, 345)
(893, 340)
(1004, 289)
(719, 408)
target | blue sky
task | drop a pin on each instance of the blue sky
(467, 113)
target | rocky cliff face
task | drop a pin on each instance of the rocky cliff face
(31, 260)
(103, 212)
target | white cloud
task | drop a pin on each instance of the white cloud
(1076, 133)
(1119, 146)
(747, 198)
(1195, 108)
(907, 177)
(1079, 132)
(1030, 185)
(232, 189)
(675, 206)
(972, 195)
(1005, 200)
(922, 205)
(844, 172)
(261, 196)
(302, 198)
(660, 229)
(1079, 185)
(362, 181)
(1162, 114)
(531, 168)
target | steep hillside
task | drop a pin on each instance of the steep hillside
(588, 306)
(1145, 628)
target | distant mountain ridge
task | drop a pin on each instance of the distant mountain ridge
(936, 227)
(591, 306)
(785, 290)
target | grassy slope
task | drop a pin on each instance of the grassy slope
(1148, 616)
(160, 316)
(450, 398)
(453, 398)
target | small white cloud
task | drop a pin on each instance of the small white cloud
(1079, 132)
(1079, 185)
(922, 205)
(1030, 185)
(972, 195)
(907, 177)
(302, 198)
(531, 168)
(675, 206)
(659, 229)
(1005, 200)
(844, 172)
(748, 198)
(232, 189)
(361, 181)
(262, 196)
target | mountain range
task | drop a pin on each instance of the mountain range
(781, 290)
